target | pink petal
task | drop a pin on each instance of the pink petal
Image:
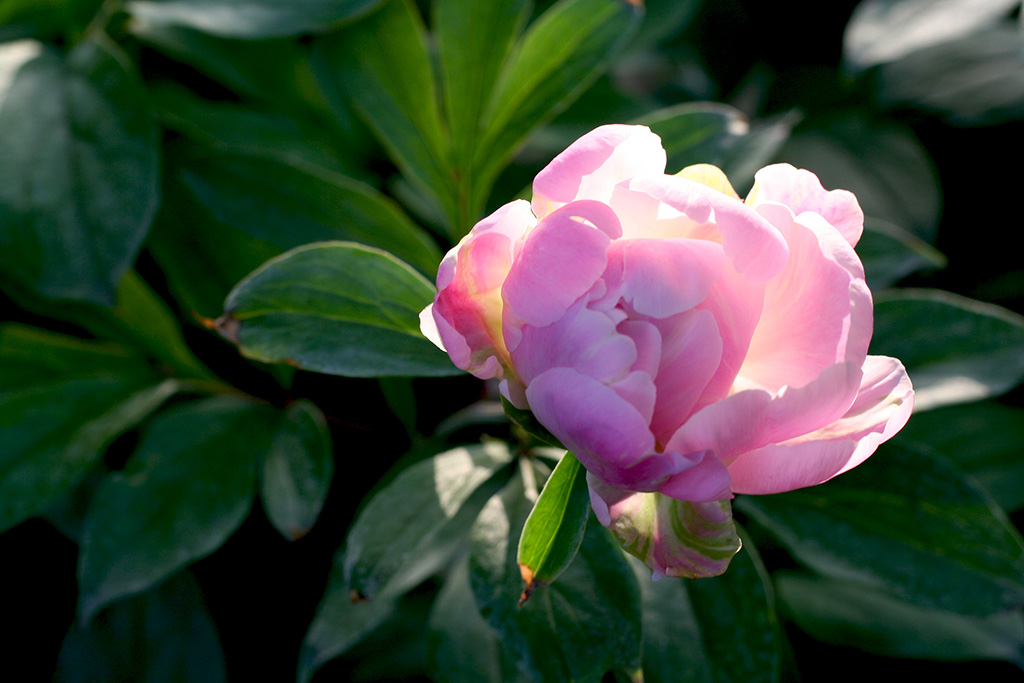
(801, 191)
(668, 276)
(592, 166)
(708, 480)
(691, 352)
(883, 405)
(561, 260)
(751, 419)
(755, 247)
(810, 310)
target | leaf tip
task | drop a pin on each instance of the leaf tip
(531, 583)
(225, 325)
(356, 597)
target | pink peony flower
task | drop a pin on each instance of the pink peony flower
(678, 340)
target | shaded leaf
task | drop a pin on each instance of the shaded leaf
(463, 647)
(890, 253)
(297, 470)
(250, 18)
(712, 630)
(855, 616)
(338, 308)
(575, 629)
(186, 489)
(408, 519)
(907, 524)
(956, 350)
(79, 181)
(984, 439)
(62, 402)
(162, 636)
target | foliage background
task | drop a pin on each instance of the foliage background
(204, 147)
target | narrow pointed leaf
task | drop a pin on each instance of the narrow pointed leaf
(554, 530)
(79, 178)
(338, 308)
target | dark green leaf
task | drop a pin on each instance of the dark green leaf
(44, 19)
(907, 524)
(561, 53)
(297, 471)
(984, 439)
(575, 629)
(338, 308)
(289, 204)
(62, 401)
(250, 18)
(408, 520)
(382, 66)
(340, 623)
(463, 647)
(78, 184)
(163, 636)
(956, 349)
(890, 253)
(185, 490)
(851, 615)
(554, 530)
(712, 630)
(881, 162)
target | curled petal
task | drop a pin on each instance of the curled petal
(672, 537)
(801, 191)
(592, 166)
(883, 405)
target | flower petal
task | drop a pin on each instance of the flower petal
(668, 276)
(801, 191)
(593, 165)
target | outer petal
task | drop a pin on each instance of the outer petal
(754, 246)
(593, 165)
(882, 407)
(801, 191)
(812, 310)
(672, 537)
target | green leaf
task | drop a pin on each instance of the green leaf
(78, 184)
(907, 524)
(976, 80)
(411, 518)
(290, 204)
(340, 622)
(250, 18)
(956, 350)
(62, 402)
(983, 439)
(890, 253)
(712, 630)
(554, 530)
(337, 308)
(561, 53)
(44, 19)
(382, 65)
(463, 647)
(297, 471)
(163, 636)
(185, 490)
(869, 620)
(882, 31)
(575, 629)
(881, 162)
